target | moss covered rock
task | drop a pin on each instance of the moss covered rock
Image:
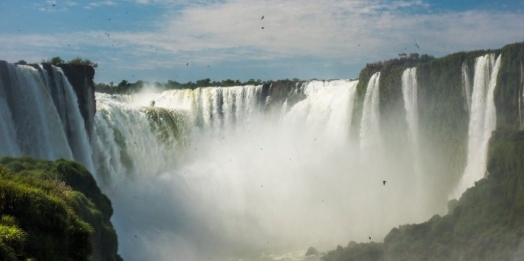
(53, 211)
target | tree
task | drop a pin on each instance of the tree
(81, 61)
(414, 55)
(203, 82)
(123, 83)
(56, 60)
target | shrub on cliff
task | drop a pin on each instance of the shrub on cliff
(53, 211)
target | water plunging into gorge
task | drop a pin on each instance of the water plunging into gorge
(245, 172)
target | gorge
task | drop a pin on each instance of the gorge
(261, 172)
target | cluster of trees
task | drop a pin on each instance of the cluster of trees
(53, 211)
(401, 58)
(58, 60)
(125, 87)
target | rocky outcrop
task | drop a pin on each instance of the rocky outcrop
(81, 78)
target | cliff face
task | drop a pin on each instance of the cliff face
(486, 223)
(81, 78)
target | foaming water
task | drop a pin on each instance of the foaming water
(240, 184)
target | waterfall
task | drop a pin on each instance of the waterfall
(482, 121)
(40, 115)
(8, 144)
(214, 107)
(130, 140)
(34, 116)
(327, 110)
(370, 125)
(466, 84)
(521, 96)
(409, 93)
(234, 178)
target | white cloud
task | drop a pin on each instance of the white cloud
(348, 32)
(102, 3)
(360, 30)
(70, 3)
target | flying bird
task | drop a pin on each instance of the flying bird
(384, 182)
(369, 238)
(262, 18)
(416, 45)
(262, 27)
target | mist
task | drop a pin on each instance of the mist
(249, 183)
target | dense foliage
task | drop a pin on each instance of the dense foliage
(53, 211)
(77, 61)
(125, 87)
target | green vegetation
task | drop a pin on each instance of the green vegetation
(125, 87)
(53, 211)
(79, 61)
(487, 223)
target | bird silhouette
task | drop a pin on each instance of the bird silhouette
(262, 18)
(262, 28)
(384, 182)
(369, 238)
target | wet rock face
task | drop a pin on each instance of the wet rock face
(81, 78)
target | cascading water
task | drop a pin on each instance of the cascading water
(132, 141)
(8, 145)
(224, 173)
(482, 121)
(370, 125)
(214, 107)
(409, 93)
(466, 84)
(40, 116)
(238, 181)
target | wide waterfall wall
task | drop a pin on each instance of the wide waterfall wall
(482, 120)
(40, 115)
(242, 175)
(215, 107)
(130, 140)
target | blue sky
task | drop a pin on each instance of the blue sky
(160, 40)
